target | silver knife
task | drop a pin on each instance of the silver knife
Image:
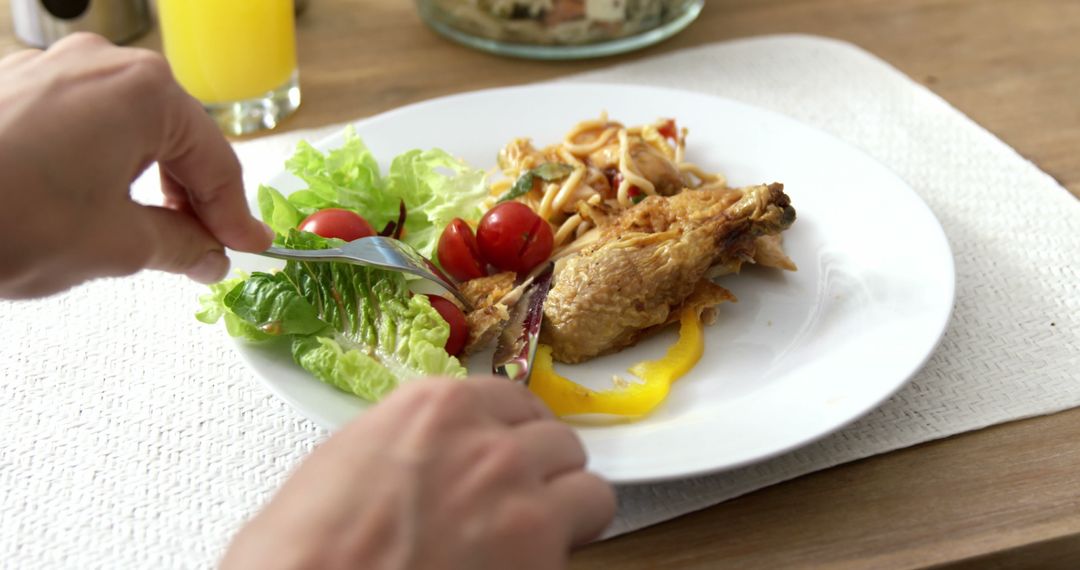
(517, 344)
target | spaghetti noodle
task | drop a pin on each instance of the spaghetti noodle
(609, 167)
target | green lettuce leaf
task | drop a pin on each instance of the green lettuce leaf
(354, 371)
(434, 186)
(212, 309)
(270, 303)
(357, 328)
(278, 212)
(347, 176)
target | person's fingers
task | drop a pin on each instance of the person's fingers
(585, 501)
(177, 243)
(165, 124)
(175, 195)
(480, 398)
(169, 126)
(182, 245)
(19, 57)
(80, 42)
(195, 155)
(552, 447)
(128, 237)
(508, 403)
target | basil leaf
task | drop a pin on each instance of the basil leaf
(549, 172)
(552, 171)
(520, 188)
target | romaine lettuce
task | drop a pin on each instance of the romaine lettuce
(212, 308)
(356, 328)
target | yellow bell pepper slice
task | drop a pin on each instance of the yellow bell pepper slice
(566, 398)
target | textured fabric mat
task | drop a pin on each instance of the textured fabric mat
(133, 436)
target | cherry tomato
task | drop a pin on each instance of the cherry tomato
(459, 329)
(458, 253)
(337, 223)
(669, 130)
(513, 238)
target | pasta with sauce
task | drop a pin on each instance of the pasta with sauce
(600, 168)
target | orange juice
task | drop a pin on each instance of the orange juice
(223, 51)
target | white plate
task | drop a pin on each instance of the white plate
(799, 356)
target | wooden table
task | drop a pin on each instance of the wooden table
(999, 497)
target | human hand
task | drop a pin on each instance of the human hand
(442, 474)
(78, 123)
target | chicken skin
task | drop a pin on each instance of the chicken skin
(649, 260)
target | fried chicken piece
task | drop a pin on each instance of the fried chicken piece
(766, 250)
(769, 252)
(486, 291)
(649, 260)
(490, 298)
(706, 296)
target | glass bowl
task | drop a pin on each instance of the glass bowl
(559, 29)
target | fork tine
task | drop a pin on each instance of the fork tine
(398, 255)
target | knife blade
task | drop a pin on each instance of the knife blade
(517, 343)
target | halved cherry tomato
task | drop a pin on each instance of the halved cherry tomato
(669, 130)
(458, 253)
(459, 329)
(513, 238)
(337, 223)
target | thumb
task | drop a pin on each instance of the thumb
(179, 243)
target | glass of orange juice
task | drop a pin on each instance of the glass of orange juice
(238, 57)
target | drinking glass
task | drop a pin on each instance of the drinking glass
(238, 57)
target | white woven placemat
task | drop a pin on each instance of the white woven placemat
(132, 436)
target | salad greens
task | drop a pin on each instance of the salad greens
(434, 186)
(213, 309)
(357, 328)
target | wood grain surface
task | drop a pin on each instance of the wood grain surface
(1004, 497)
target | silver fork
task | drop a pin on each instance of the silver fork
(376, 251)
